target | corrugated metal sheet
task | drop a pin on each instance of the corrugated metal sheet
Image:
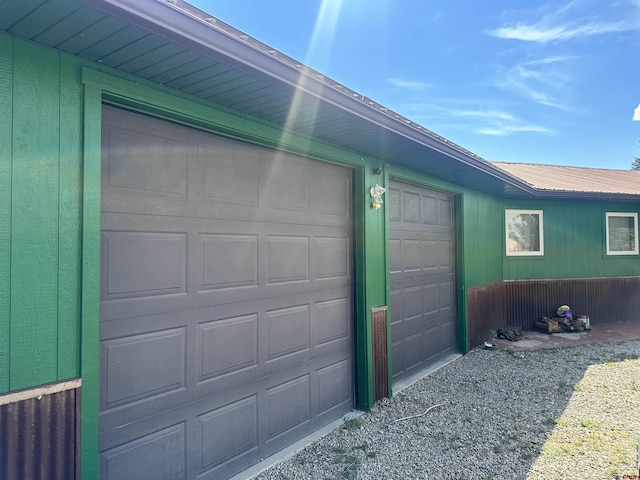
(575, 179)
(39, 437)
(522, 302)
(605, 300)
(380, 353)
(484, 311)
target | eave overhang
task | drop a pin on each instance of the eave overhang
(207, 58)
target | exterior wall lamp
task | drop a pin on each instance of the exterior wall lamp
(376, 193)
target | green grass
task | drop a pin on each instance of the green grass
(353, 424)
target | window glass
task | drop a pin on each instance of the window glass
(622, 233)
(524, 231)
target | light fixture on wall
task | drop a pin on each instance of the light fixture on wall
(376, 193)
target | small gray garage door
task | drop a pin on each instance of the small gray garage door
(226, 325)
(422, 264)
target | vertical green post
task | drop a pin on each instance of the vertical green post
(371, 277)
(387, 289)
(463, 321)
(90, 303)
(6, 107)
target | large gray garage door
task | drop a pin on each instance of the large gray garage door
(226, 300)
(422, 263)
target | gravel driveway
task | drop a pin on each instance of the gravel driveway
(541, 415)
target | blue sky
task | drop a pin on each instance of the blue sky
(554, 82)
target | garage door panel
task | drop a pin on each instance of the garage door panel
(287, 259)
(226, 304)
(227, 346)
(229, 261)
(431, 298)
(143, 264)
(121, 308)
(142, 366)
(227, 432)
(288, 331)
(445, 295)
(332, 257)
(444, 254)
(398, 363)
(158, 455)
(126, 170)
(331, 324)
(228, 175)
(412, 300)
(446, 213)
(429, 209)
(330, 192)
(411, 255)
(204, 208)
(288, 405)
(394, 204)
(396, 306)
(422, 261)
(431, 253)
(334, 386)
(414, 354)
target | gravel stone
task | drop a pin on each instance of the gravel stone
(491, 414)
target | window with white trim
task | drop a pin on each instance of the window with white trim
(524, 232)
(622, 233)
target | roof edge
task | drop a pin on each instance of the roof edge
(181, 23)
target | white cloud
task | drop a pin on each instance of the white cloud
(497, 122)
(636, 114)
(543, 34)
(504, 130)
(409, 84)
(541, 80)
(574, 20)
(489, 114)
(550, 60)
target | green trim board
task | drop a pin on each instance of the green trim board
(387, 287)
(90, 296)
(70, 219)
(461, 304)
(6, 106)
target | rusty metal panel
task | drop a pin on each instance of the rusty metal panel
(521, 302)
(380, 353)
(485, 311)
(40, 437)
(605, 300)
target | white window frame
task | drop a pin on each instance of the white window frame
(533, 253)
(633, 215)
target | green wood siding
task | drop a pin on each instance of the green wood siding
(574, 243)
(482, 224)
(6, 107)
(39, 216)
